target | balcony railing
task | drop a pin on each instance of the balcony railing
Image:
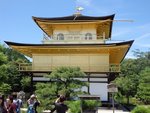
(74, 38)
(92, 68)
(25, 66)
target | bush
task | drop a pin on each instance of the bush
(141, 109)
(90, 104)
(74, 106)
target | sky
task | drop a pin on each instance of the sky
(17, 25)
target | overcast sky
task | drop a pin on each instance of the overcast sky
(16, 22)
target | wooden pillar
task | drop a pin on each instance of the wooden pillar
(88, 75)
(20, 78)
(108, 81)
(31, 81)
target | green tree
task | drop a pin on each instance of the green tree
(64, 80)
(5, 88)
(142, 61)
(3, 73)
(9, 74)
(129, 77)
(143, 92)
(47, 94)
(3, 58)
(14, 55)
(25, 83)
(125, 86)
(13, 77)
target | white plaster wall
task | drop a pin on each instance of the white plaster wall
(99, 89)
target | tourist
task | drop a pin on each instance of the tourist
(60, 107)
(11, 107)
(2, 106)
(18, 102)
(33, 102)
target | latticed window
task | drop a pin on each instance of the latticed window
(88, 36)
(60, 36)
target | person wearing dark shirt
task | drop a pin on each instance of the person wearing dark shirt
(60, 107)
(2, 106)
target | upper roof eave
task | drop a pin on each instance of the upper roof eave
(73, 18)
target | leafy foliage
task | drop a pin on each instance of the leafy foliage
(13, 55)
(141, 109)
(130, 77)
(143, 92)
(74, 106)
(66, 80)
(3, 72)
(90, 104)
(46, 93)
(62, 82)
(9, 75)
(25, 83)
(3, 58)
(5, 88)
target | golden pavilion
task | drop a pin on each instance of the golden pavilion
(75, 40)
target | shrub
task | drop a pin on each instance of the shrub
(141, 109)
(90, 104)
(74, 106)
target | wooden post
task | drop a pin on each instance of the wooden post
(31, 76)
(113, 103)
(112, 88)
(89, 82)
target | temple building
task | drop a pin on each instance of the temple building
(75, 40)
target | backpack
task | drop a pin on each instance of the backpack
(31, 109)
(17, 106)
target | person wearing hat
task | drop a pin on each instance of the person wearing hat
(33, 102)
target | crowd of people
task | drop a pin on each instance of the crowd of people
(13, 104)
